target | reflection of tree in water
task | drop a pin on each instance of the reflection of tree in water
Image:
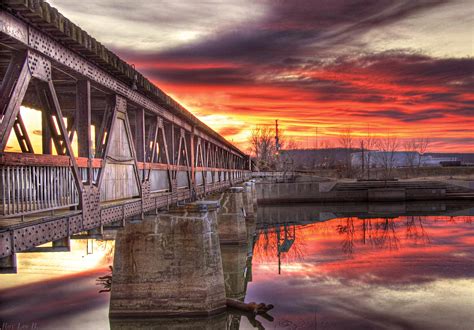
(347, 231)
(378, 233)
(385, 234)
(270, 243)
(415, 231)
(105, 281)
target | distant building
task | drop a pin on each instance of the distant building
(308, 159)
(397, 159)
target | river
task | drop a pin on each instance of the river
(350, 272)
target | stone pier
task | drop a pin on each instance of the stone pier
(169, 265)
(248, 200)
(254, 191)
(230, 218)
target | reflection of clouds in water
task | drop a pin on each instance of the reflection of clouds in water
(347, 305)
(59, 287)
(426, 282)
(45, 300)
(44, 266)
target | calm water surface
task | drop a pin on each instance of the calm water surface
(409, 272)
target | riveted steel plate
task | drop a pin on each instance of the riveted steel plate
(39, 66)
(31, 236)
(13, 27)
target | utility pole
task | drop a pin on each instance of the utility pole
(277, 139)
(316, 138)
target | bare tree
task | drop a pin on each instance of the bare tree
(368, 144)
(291, 144)
(423, 145)
(411, 152)
(262, 144)
(388, 147)
(287, 157)
(346, 141)
(415, 149)
(328, 154)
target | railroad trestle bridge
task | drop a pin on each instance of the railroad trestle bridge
(111, 144)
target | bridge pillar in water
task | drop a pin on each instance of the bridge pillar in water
(230, 218)
(248, 200)
(169, 265)
(254, 191)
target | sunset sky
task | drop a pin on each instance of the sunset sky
(404, 67)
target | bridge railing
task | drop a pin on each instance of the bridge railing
(30, 189)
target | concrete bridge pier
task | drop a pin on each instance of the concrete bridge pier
(230, 218)
(169, 265)
(251, 215)
(248, 200)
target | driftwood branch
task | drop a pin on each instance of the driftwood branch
(251, 307)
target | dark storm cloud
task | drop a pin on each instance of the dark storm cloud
(293, 34)
(412, 69)
(398, 68)
(404, 115)
(297, 27)
(207, 76)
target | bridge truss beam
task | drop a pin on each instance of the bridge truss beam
(118, 152)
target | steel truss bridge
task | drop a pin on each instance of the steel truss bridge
(112, 145)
